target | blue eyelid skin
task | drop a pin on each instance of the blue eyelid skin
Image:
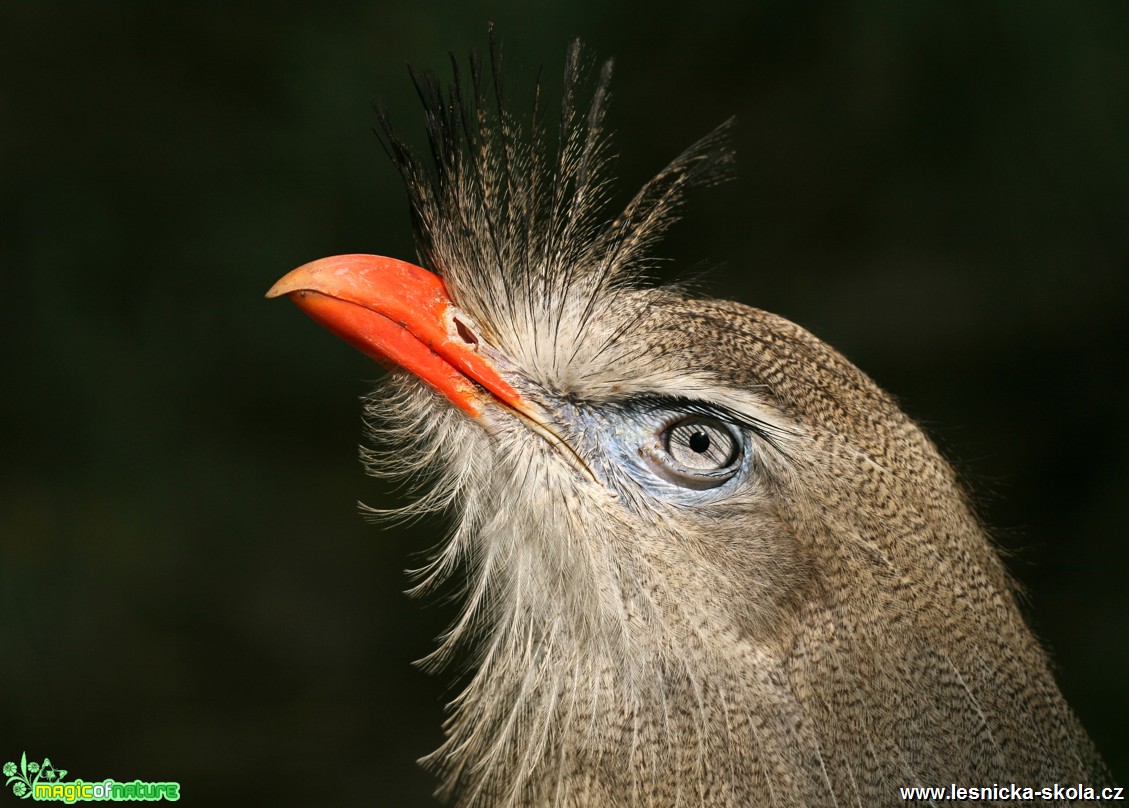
(624, 445)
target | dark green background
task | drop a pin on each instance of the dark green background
(941, 190)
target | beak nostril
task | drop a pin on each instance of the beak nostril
(468, 336)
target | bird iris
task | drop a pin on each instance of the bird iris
(696, 452)
(701, 444)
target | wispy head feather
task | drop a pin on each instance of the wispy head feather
(516, 223)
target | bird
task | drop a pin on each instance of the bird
(704, 560)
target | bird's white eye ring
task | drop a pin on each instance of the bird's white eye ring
(696, 452)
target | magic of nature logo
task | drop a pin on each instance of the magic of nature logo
(47, 783)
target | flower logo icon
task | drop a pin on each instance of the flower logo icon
(23, 778)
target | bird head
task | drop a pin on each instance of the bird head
(701, 549)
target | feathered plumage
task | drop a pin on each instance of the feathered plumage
(816, 618)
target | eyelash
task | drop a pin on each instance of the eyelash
(676, 408)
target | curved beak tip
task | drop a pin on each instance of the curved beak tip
(285, 285)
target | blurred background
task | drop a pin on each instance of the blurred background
(941, 190)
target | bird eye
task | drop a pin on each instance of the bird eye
(696, 452)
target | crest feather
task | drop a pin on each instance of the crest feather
(515, 222)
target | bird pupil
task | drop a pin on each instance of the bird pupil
(699, 442)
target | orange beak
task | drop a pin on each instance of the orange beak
(399, 314)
